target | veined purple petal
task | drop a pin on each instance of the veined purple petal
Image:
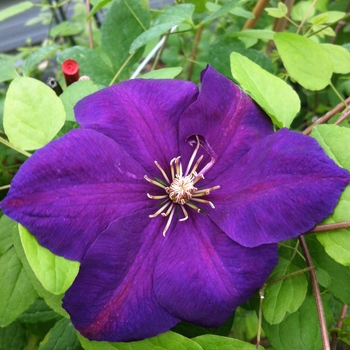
(201, 275)
(68, 192)
(142, 116)
(226, 117)
(280, 189)
(112, 297)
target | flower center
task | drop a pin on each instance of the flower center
(181, 188)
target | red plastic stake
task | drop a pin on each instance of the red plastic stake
(70, 69)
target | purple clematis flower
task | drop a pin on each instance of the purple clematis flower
(162, 238)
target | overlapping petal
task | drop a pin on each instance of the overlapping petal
(112, 297)
(142, 116)
(280, 189)
(201, 275)
(68, 192)
(226, 117)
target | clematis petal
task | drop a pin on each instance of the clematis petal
(112, 298)
(280, 189)
(141, 115)
(202, 275)
(226, 117)
(68, 192)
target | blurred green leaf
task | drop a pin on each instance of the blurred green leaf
(58, 274)
(90, 63)
(7, 71)
(7, 227)
(61, 336)
(164, 341)
(299, 330)
(215, 342)
(129, 19)
(171, 17)
(35, 58)
(163, 73)
(74, 93)
(306, 61)
(300, 10)
(17, 293)
(54, 301)
(279, 12)
(340, 58)
(332, 138)
(275, 96)
(284, 296)
(338, 274)
(66, 28)
(220, 11)
(13, 337)
(15, 10)
(98, 5)
(33, 113)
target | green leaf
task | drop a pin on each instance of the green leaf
(17, 293)
(98, 6)
(74, 93)
(90, 63)
(215, 342)
(38, 312)
(191, 330)
(35, 58)
(306, 61)
(340, 58)
(300, 10)
(55, 273)
(327, 17)
(332, 138)
(284, 296)
(164, 341)
(33, 113)
(262, 34)
(15, 10)
(221, 11)
(279, 12)
(7, 71)
(13, 337)
(163, 73)
(7, 227)
(66, 28)
(236, 11)
(54, 301)
(61, 336)
(171, 17)
(299, 330)
(129, 19)
(275, 96)
(339, 275)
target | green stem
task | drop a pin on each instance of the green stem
(328, 25)
(4, 187)
(338, 94)
(121, 68)
(8, 144)
(317, 294)
(306, 16)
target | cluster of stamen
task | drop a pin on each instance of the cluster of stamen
(180, 189)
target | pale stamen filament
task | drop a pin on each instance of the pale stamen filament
(157, 197)
(160, 210)
(154, 182)
(198, 177)
(192, 157)
(178, 166)
(168, 222)
(169, 210)
(196, 165)
(185, 213)
(172, 169)
(203, 201)
(207, 167)
(162, 171)
(191, 205)
(205, 191)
